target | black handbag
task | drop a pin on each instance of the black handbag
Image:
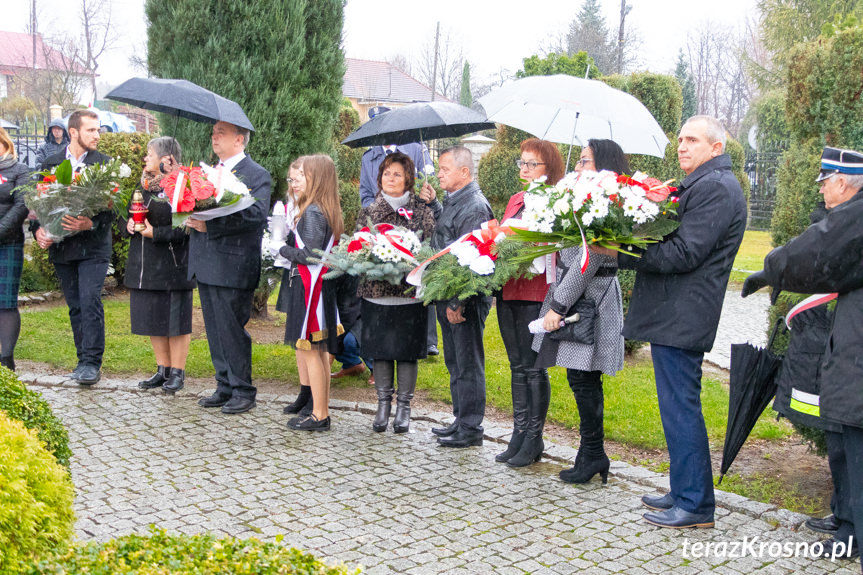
(580, 321)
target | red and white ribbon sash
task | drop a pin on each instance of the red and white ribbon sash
(311, 275)
(812, 301)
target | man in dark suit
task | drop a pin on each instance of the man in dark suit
(225, 258)
(81, 260)
(676, 302)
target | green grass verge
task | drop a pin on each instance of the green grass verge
(750, 257)
(770, 489)
(631, 412)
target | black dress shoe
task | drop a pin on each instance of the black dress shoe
(677, 518)
(446, 431)
(839, 550)
(238, 405)
(827, 524)
(310, 423)
(215, 400)
(462, 438)
(74, 373)
(660, 503)
(433, 350)
(89, 375)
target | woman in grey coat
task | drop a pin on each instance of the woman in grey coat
(585, 364)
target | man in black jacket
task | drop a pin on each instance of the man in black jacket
(225, 258)
(462, 322)
(828, 258)
(676, 303)
(81, 260)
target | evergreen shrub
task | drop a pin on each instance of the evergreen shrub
(27, 406)
(159, 553)
(36, 497)
(37, 274)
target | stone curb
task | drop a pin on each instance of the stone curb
(558, 453)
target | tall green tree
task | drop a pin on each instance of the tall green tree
(575, 65)
(279, 59)
(687, 87)
(465, 98)
(589, 33)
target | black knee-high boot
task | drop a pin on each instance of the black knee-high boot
(539, 391)
(520, 416)
(303, 398)
(384, 386)
(407, 378)
(591, 458)
(8, 361)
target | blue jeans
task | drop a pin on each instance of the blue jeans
(351, 354)
(678, 388)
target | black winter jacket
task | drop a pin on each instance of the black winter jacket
(681, 281)
(160, 263)
(13, 212)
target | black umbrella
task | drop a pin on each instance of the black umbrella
(180, 98)
(753, 385)
(418, 123)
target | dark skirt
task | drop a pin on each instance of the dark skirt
(11, 263)
(292, 301)
(394, 332)
(160, 313)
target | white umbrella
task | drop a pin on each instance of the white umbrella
(570, 110)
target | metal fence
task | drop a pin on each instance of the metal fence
(26, 145)
(761, 168)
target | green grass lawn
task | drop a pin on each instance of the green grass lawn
(631, 413)
(750, 257)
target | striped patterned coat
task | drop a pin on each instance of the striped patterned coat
(606, 353)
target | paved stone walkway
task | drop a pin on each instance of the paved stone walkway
(742, 320)
(390, 503)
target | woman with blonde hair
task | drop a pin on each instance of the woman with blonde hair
(13, 212)
(313, 322)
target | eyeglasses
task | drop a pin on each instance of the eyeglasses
(583, 161)
(531, 165)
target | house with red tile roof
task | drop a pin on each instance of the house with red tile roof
(369, 83)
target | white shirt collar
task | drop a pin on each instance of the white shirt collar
(76, 162)
(232, 162)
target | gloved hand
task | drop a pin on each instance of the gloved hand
(274, 247)
(754, 283)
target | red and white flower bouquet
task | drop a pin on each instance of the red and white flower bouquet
(204, 191)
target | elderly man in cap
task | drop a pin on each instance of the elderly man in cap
(676, 303)
(225, 258)
(828, 258)
(372, 160)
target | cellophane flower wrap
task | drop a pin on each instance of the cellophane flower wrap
(63, 192)
(205, 191)
(380, 252)
(600, 208)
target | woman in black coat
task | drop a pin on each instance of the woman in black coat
(13, 212)
(156, 273)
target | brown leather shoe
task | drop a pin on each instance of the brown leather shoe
(355, 370)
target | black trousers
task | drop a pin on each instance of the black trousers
(432, 327)
(840, 502)
(464, 356)
(852, 441)
(226, 312)
(81, 282)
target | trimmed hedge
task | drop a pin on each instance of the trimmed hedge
(28, 407)
(160, 554)
(36, 497)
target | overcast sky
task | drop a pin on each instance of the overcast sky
(494, 34)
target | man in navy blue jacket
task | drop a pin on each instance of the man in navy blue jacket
(676, 302)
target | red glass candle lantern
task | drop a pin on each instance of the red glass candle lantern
(138, 210)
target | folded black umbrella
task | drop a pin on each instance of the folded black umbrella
(418, 123)
(180, 98)
(752, 386)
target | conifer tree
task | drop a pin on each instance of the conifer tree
(279, 59)
(687, 86)
(465, 98)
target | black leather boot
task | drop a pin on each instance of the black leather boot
(520, 407)
(175, 380)
(304, 397)
(591, 458)
(8, 361)
(384, 387)
(539, 391)
(157, 379)
(407, 374)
